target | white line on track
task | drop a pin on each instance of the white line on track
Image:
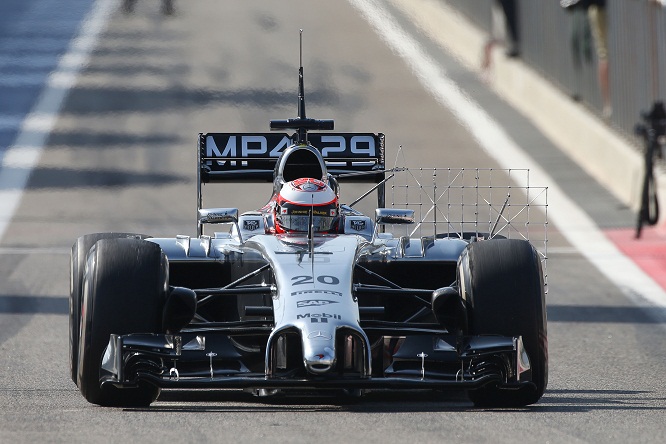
(37, 250)
(20, 158)
(579, 229)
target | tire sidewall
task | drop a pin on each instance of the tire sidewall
(124, 286)
(502, 283)
(78, 257)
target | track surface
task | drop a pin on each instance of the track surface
(121, 157)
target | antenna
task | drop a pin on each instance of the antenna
(499, 216)
(301, 90)
(311, 231)
(301, 124)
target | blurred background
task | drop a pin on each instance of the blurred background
(101, 102)
(559, 44)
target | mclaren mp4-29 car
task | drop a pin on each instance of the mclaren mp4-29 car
(308, 294)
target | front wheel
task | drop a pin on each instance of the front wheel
(125, 284)
(78, 258)
(502, 282)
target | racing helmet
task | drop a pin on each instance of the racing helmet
(295, 201)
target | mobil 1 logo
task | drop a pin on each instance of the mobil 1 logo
(316, 318)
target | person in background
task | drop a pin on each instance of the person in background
(596, 15)
(167, 6)
(504, 30)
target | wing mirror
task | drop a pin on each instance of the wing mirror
(389, 216)
(218, 215)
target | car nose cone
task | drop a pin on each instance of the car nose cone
(321, 362)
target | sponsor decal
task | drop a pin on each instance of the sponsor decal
(324, 279)
(245, 146)
(324, 292)
(309, 185)
(335, 145)
(260, 145)
(232, 149)
(306, 211)
(251, 225)
(319, 317)
(314, 303)
(358, 225)
(320, 335)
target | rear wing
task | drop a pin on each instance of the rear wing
(251, 157)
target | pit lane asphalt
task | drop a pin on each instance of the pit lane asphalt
(121, 157)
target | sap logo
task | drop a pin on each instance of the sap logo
(251, 225)
(319, 317)
(314, 303)
(358, 225)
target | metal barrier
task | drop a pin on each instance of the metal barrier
(636, 51)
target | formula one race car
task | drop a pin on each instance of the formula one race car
(310, 294)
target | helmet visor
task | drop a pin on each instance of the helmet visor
(300, 223)
(297, 218)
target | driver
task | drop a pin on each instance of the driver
(295, 201)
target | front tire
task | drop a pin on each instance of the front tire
(502, 282)
(125, 284)
(78, 258)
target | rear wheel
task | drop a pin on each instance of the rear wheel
(77, 265)
(502, 281)
(125, 284)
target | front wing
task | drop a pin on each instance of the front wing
(415, 361)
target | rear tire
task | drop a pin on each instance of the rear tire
(502, 282)
(125, 283)
(77, 265)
